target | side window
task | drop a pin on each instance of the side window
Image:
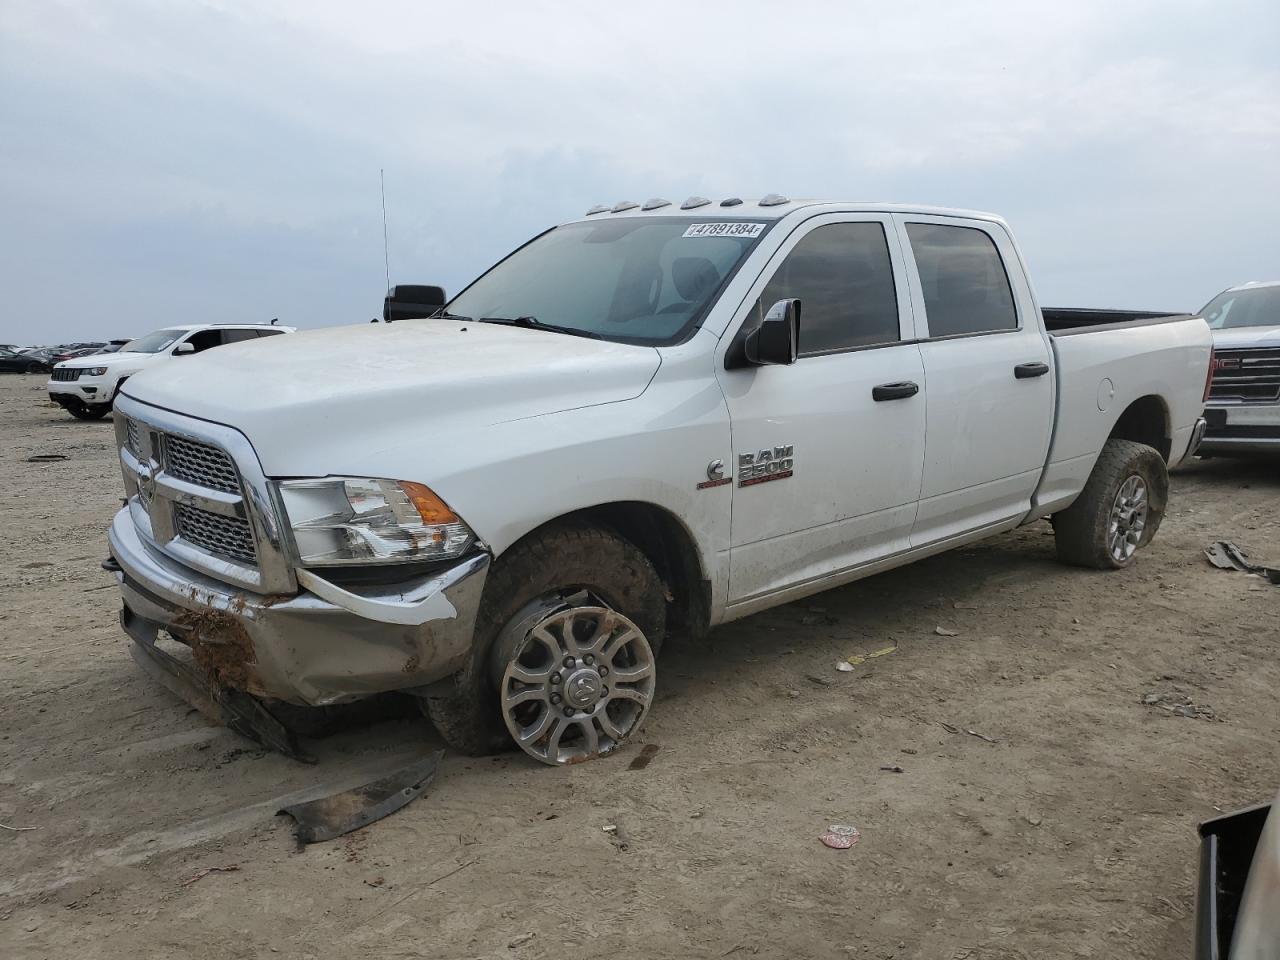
(205, 339)
(842, 275)
(235, 336)
(962, 277)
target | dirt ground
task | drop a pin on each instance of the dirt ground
(1073, 834)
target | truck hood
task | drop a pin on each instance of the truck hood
(1239, 337)
(107, 360)
(374, 386)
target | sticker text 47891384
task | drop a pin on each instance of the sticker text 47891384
(725, 229)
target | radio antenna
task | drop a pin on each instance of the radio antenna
(386, 252)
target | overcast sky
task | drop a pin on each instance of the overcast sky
(219, 161)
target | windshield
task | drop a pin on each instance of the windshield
(153, 342)
(1251, 307)
(643, 280)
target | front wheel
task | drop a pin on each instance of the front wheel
(1119, 509)
(563, 664)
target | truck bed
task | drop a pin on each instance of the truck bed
(1063, 321)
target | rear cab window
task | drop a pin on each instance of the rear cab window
(963, 280)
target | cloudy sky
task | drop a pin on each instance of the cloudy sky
(218, 161)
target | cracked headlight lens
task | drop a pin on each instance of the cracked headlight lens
(353, 520)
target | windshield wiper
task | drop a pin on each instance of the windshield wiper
(533, 323)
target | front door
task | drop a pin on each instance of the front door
(829, 450)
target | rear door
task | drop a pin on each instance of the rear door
(827, 463)
(988, 371)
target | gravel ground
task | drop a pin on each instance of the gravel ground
(1066, 829)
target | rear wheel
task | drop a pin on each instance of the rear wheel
(563, 661)
(88, 411)
(1119, 509)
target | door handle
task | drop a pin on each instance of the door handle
(894, 391)
(1027, 371)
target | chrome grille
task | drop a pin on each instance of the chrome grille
(66, 373)
(133, 435)
(224, 536)
(199, 463)
(1246, 376)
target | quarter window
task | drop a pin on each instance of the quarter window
(843, 278)
(962, 277)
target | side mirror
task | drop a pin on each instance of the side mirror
(411, 302)
(777, 339)
(185, 347)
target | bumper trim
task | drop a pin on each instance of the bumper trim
(307, 648)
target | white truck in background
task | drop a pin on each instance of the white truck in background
(639, 425)
(86, 386)
(1243, 409)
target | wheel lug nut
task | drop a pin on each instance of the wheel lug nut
(604, 691)
(556, 678)
(604, 671)
(556, 698)
(569, 662)
(568, 711)
(588, 659)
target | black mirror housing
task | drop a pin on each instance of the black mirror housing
(777, 339)
(412, 302)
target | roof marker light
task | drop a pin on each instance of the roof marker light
(655, 203)
(694, 202)
(598, 208)
(774, 200)
(624, 205)
(731, 202)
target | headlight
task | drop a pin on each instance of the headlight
(351, 520)
(96, 371)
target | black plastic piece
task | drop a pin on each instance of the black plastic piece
(1029, 371)
(1227, 845)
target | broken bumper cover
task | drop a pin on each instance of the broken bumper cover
(324, 645)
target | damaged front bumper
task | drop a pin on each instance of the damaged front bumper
(324, 645)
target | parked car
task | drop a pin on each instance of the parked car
(1239, 886)
(636, 426)
(1243, 408)
(13, 362)
(85, 387)
(75, 352)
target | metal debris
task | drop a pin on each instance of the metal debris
(340, 813)
(1225, 555)
(840, 836)
(981, 736)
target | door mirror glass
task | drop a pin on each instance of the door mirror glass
(411, 302)
(185, 347)
(777, 339)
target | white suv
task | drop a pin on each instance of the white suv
(86, 386)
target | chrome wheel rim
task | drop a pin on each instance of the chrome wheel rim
(578, 685)
(1128, 519)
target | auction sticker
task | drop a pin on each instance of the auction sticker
(725, 229)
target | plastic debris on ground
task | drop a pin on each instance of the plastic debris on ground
(840, 836)
(1225, 555)
(1180, 705)
(945, 632)
(858, 658)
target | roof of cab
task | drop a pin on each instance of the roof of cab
(771, 207)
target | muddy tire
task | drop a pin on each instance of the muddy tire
(564, 559)
(89, 411)
(1119, 509)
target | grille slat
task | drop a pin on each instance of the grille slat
(66, 373)
(1247, 376)
(133, 436)
(200, 463)
(225, 536)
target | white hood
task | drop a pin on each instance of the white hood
(376, 385)
(106, 360)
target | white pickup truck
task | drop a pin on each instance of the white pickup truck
(640, 424)
(86, 386)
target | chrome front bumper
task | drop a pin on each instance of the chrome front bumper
(323, 645)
